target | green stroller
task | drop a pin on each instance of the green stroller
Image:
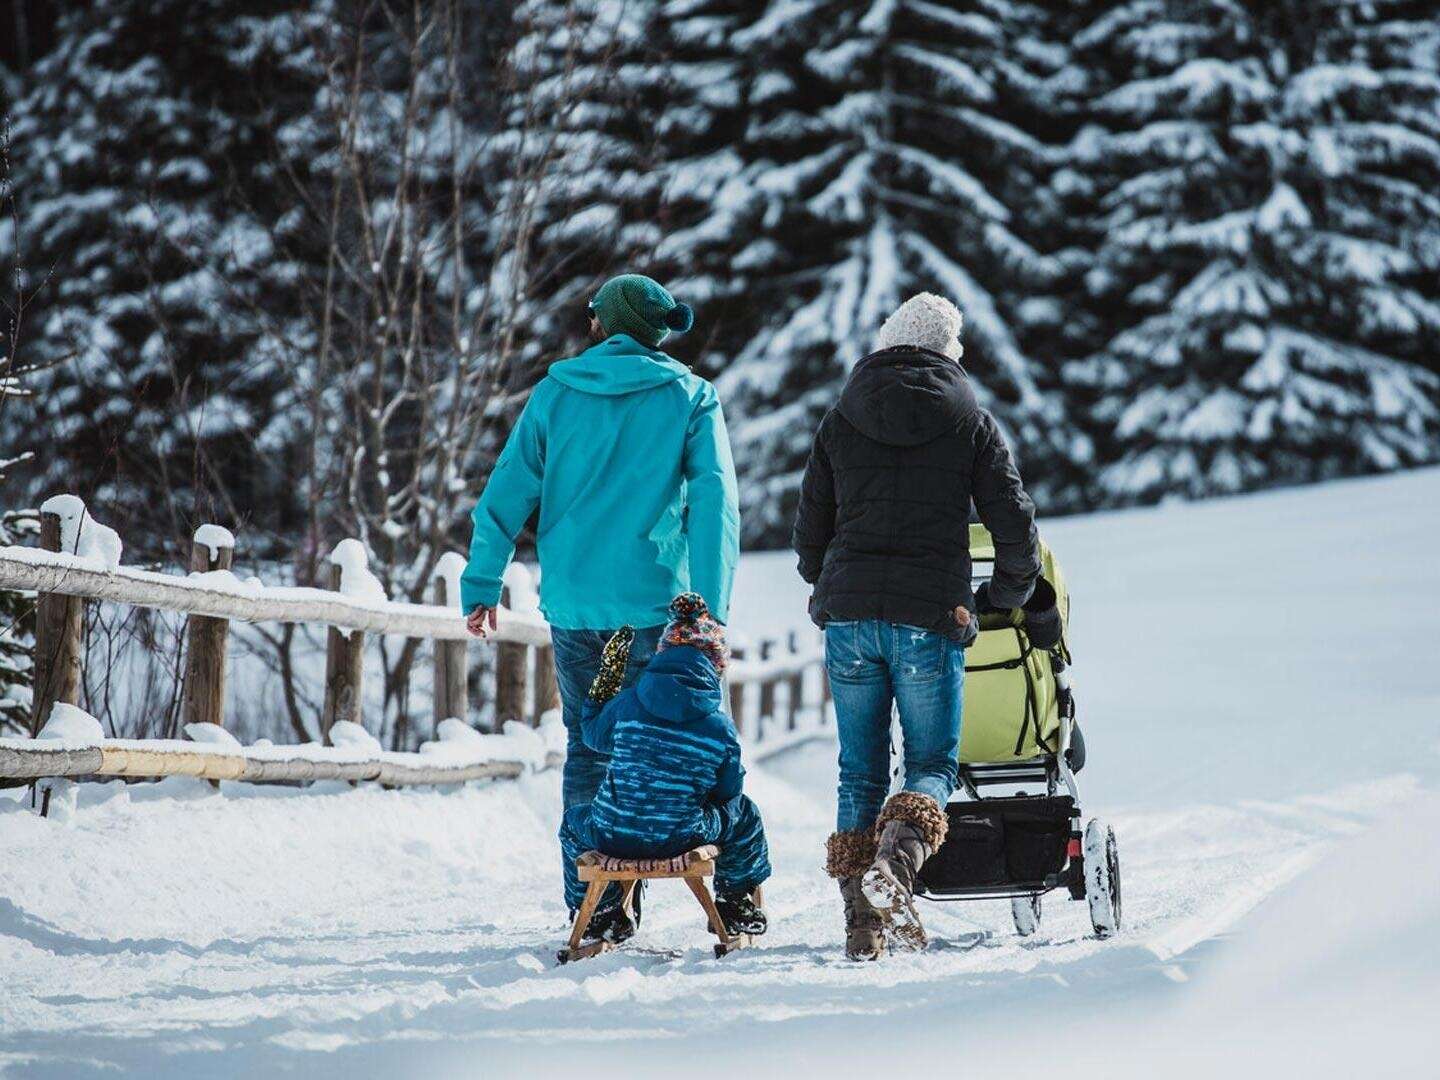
(1018, 731)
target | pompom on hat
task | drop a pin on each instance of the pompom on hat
(692, 624)
(641, 307)
(924, 321)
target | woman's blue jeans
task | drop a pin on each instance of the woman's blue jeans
(872, 665)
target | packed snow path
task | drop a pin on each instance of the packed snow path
(1249, 701)
(175, 922)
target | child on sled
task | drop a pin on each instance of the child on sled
(674, 777)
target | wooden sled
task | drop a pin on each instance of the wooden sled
(598, 870)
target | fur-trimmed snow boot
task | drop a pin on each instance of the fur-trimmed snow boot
(847, 856)
(910, 828)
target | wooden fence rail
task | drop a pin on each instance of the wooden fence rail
(66, 573)
(134, 759)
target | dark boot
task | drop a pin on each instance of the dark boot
(740, 914)
(847, 856)
(614, 922)
(864, 928)
(910, 828)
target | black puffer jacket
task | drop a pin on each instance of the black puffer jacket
(883, 525)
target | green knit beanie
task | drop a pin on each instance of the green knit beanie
(641, 307)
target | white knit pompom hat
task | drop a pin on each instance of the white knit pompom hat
(926, 321)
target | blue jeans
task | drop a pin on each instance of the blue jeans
(577, 662)
(872, 664)
(744, 860)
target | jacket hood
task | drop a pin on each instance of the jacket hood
(618, 365)
(906, 396)
(680, 684)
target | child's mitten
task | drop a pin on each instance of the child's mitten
(612, 666)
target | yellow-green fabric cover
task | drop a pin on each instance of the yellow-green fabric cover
(996, 701)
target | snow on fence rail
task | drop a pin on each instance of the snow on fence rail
(79, 560)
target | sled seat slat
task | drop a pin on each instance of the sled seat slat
(697, 862)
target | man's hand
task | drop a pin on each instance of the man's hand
(962, 616)
(476, 621)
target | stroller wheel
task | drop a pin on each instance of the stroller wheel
(1026, 912)
(1102, 877)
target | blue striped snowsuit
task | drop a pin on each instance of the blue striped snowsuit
(674, 778)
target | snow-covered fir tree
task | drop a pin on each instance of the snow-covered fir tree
(17, 524)
(275, 267)
(1269, 241)
(889, 151)
(391, 346)
(17, 642)
(162, 397)
(1217, 217)
(574, 163)
(705, 196)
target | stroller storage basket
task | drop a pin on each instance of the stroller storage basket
(1001, 846)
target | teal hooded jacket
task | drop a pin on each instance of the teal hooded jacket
(623, 449)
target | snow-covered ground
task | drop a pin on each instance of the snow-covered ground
(1257, 683)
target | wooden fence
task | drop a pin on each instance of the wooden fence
(66, 575)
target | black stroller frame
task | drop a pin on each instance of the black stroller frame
(1021, 846)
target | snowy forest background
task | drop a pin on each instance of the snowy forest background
(293, 265)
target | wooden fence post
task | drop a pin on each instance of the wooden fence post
(767, 692)
(449, 656)
(797, 685)
(213, 548)
(59, 628)
(344, 671)
(510, 664)
(547, 685)
(737, 692)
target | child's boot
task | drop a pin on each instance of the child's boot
(740, 913)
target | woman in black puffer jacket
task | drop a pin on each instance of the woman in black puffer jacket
(883, 536)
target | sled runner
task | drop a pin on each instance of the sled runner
(693, 867)
(1018, 730)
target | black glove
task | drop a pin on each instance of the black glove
(1042, 616)
(982, 600)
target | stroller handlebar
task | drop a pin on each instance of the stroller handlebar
(997, 620)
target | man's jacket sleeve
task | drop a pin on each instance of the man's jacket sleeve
(510, 497)
(712, 512)
(815, 518)
(1008, 513)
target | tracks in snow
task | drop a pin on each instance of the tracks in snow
(239, 923)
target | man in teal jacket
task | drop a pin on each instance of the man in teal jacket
(623, 450)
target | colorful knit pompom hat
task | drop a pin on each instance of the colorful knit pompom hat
(692, 624)
(641, 307)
